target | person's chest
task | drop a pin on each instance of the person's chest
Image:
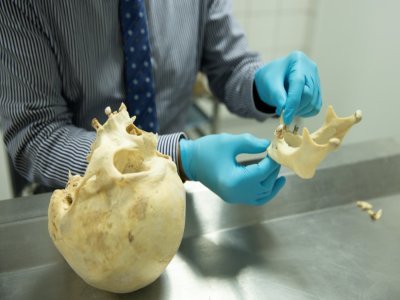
(87, 40)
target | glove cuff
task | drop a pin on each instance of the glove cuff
(181, 171)
(184, 159)
(260, 104)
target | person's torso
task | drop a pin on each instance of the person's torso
(86, 40)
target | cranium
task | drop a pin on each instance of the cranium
(304, 153)
(120, 224)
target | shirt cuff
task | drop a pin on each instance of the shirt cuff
(169, 144)
(261, 105)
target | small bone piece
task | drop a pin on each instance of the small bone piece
(375, 215)
(108, 111)
(364, 205)
(295, 129)
(96, 124)
(279, 131)
(303, 153)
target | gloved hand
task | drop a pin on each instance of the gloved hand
(291, 84)
(212, 161)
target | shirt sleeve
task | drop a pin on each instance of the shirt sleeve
(229, 64)
(38, 129)
(169, 144)
(37, 120)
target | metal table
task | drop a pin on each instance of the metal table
(311, 242)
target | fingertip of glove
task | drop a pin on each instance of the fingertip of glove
(280, 182)
(258, 142)
(268, 164)
(261, 201)
(265, 143)
(280, 108)
(287, 118)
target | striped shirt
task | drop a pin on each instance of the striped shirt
(61, 64)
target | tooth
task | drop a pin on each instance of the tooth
(296, 129)
(96, 124)
(108, 111)
(334, 142)
(122, 107)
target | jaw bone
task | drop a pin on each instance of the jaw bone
(304, 153)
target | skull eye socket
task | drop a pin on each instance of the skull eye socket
(129, 161)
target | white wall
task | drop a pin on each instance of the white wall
(275, 27)
(357, 47)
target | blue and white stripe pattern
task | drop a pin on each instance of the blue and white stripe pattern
(61, 64)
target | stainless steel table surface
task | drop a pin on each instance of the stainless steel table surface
(312, 242)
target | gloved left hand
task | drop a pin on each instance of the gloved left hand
(212, 161)
(291, 84)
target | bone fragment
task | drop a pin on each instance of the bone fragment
(303, 153)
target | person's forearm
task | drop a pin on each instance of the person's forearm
(48, 161)
(48, 157)
(229, 64)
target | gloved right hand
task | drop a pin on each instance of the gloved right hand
(292, 84)
(212, 161)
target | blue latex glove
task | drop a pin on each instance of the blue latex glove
(212, 161)
(291, 84)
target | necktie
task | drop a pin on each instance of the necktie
(139, 84)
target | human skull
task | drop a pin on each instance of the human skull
(120, 224)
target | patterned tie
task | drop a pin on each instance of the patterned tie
(140, 96)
